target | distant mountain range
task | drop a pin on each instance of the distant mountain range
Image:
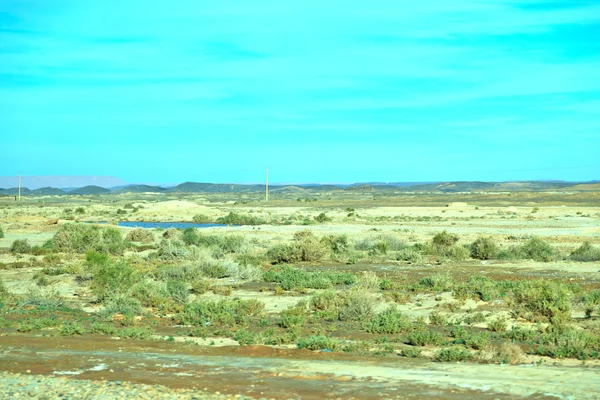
(197, 187)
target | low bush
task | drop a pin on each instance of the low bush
(1, 232)
(42, 299)
(410, 352)
(390, 321)
(284, 253)
(190, 236)
(111, 278)
(444, 239)
(140, 235)
(338, 244)
(200, 286)
(484, 248)
(226, 312)
(20, 246)
(452, 354)
(293, 317)
(293, 278)
(319, 342)
(425, 338)
(569, 343)
(150, 293)
(477, 341)
(225, 243)
(80, 238)
(497, 325)
(178, 290)
(70, 328)
(358, 306)
(508, 353)
(537, 250)
(202, 219)
(234, 218)
(586, 253)
(438, 282)
(548, 300)
(136, 333)
(322, 218)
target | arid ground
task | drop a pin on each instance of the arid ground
(351, 296)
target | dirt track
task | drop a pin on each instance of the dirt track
(262, 372)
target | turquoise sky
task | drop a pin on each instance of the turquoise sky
(318, 91)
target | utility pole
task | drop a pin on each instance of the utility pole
(19, 187)
(267, 187)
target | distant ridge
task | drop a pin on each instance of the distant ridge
(139, 189)
(437, 187)
(47, 191)
(15, 191)
(91, 189)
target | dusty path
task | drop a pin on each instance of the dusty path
(262, 372)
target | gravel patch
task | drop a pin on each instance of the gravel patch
(40, 387)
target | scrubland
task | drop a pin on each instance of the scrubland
(482, 280)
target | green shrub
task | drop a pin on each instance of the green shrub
(425, 338)
(293, 317)
(452, 354)
(543, 299)
(326, 301)
(20, 246)
(380, 244)
(569, 343)
(410, 352)
(120, 303)
(3, 291)
(322, 218)
(1, 232)
(435, 318)
(112, 278)
(178, 290)
(244, 337)
(80, 210)
(358, 306)
(202, 219)
(497, 325)
(136, 333)
(438, 282)
(140, 235)
(338, 244)
(190, 236)
(225, 243)
(80, 238)
(226, 312)
(477, 341)
(42, 299)
(520, 334)
(170, 250)
(150, 293)
(293, 278)
(390, 321)
(585, 253)
(410, 255)
(70, 328)
(239, 219)
(200, 286)
(484, 248)
(319, 342)
(284, 253)
(538, 250)
(103, 328)
(444, 239)
(311, 249)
